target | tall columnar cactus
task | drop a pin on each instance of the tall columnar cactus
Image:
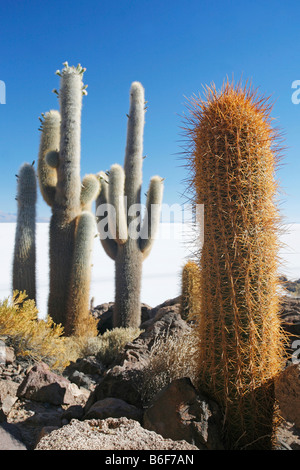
(24, 261)
(232, 155)
(70, 199)
(189, 303)
(130, 239)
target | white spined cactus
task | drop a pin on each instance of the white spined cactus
(24, 259)
(126, 243)
(59, 169)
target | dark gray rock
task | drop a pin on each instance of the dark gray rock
(125, 378)
(41, 384)
(113, 408)
(10, 438)
(180, 412)
(104, 314)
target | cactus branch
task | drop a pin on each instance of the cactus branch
(109, 244)
(90, 188)
(117, 219)
(50, 139)
(152, 216)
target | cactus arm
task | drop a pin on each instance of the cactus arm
(68, 173)
(110, 246)
(134, 145)
(90, 188)
(52, 159)
(79, 291)
(152, 216)
(24, 260)
(117, 212)
(49, 141)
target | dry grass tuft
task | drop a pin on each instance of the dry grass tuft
(171, 357)
(105, 347)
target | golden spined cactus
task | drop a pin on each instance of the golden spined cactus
(189, 302)
(232, 153)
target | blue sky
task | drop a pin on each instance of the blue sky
(172, 48)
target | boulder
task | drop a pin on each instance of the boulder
(85, 372)
(179, 412)
(287, 392)
(9, 438)
(104, 315)
(108, 434)
(114, 408)
(41, 384)
(9, 355)
(8, 397)
(290, 317)
(125, 378)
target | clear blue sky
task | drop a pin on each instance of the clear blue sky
(173, 47)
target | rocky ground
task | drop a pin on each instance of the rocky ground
(97, 406)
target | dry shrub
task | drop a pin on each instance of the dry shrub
(171, 357)
(105, 347)
(41, 340)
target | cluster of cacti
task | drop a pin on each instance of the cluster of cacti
(232, 156)
(72, 226)
(24, 259)
(189, 301)
(231, 292)
(129, 238)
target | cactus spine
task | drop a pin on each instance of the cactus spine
(130, 238)
(24, 269)
(189, 303)
(60, 182)
(232, 158)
